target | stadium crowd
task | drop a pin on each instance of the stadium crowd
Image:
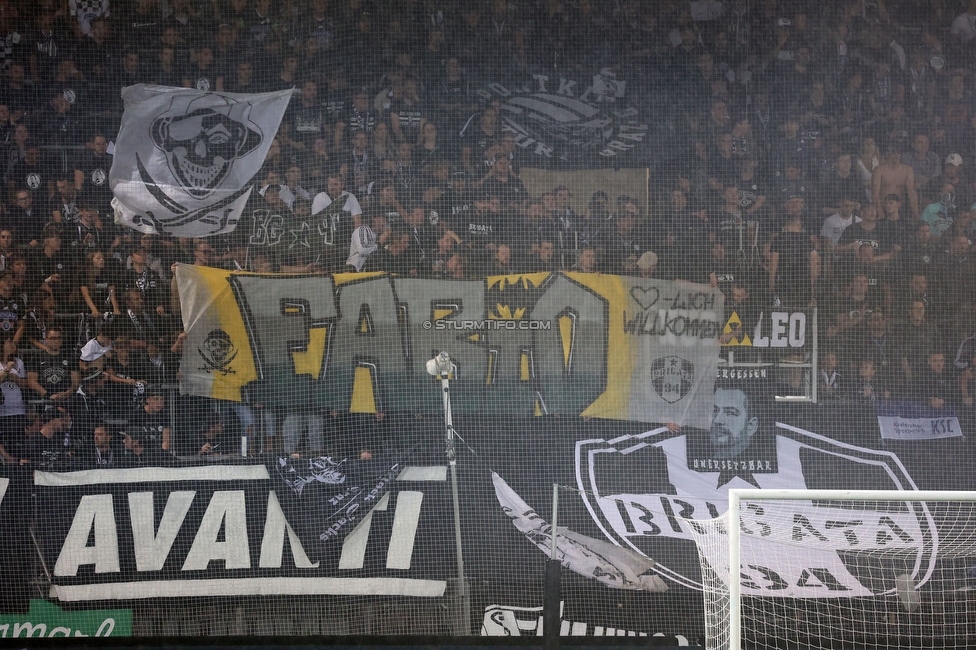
(801, 154)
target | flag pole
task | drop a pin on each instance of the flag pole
(442, 366)
(551, 605)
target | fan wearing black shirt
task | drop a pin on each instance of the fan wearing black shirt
(91, 173)
(151, 421)
(501, 182)
(53, 373)
(408, 113)
(12, 310)
(305, 120)
(360, 117)
(794, 264)
(143, 279)
(871, 231)
(202, 73)
(212, 438)
(483, 229)
(48, 448)
(84, 236)
(143, 328)
(32, 174)
(49, 267)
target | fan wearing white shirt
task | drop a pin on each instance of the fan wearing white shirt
(836, 223)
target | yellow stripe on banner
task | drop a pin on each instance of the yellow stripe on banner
(342, 278)
(566, 327)
(363, 399)
(310, 361)
(220, 299)
(621, 349)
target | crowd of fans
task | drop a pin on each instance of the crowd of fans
(800, 154)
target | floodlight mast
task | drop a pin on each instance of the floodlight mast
(442, 366)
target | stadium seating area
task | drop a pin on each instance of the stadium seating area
(796, 157)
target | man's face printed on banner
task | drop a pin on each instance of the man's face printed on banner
(732, 425)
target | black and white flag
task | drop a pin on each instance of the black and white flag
(184, 159)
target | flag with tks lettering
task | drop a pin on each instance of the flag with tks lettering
(185, 159)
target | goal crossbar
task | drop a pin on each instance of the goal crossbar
(737, 495)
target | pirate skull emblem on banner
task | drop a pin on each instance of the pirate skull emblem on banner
(184, 159)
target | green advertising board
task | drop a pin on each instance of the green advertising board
(46, 620)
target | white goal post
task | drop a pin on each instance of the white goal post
(871, 568)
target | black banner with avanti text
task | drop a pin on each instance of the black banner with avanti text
(221, 530)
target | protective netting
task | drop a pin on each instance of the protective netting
(669, 247)
(822, 573)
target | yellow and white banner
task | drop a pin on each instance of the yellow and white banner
(563, 343)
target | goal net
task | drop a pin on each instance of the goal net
(838, 568)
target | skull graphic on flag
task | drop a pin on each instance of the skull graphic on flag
(185, 159)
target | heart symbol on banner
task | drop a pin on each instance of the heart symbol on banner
(646, 298)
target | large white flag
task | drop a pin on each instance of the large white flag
(184, 159)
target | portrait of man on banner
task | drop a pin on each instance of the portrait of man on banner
(737, 440)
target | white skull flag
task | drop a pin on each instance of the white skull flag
(184, 159)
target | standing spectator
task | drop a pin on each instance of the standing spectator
(100, 454)
(794, 265)
(306, 119)
(139, 276)
(894, 177)
(454, 95)
(954, 108)
(303, 420)
(837, 223)
(408, 114)
(868, 230)
(50, 267)
(12, 309)
(924, 162)
(359, 118)
(152, 422)
(13, 411)
(479, 133)
(128, 377)
(360, 166)
(33, 174)
(501, 182)
(623, 243)
(202, 73)
(915, 334)
(166, 72)
(143, 328)
(97, 288)
(920, 252)
(25, 219)
(53, 372)
(91, 173)
(956, 270)
(933, 386)
(47, 448)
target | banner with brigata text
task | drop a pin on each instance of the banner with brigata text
(541, 344)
